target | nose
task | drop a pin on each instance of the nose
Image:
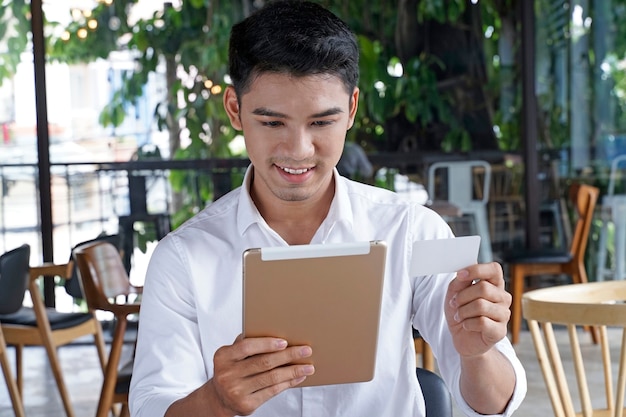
(300, 144)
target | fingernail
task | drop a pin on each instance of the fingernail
(462, 273)
(456, 317)
(281, 344)
(299, 380)
(308, 369)
(306, 351)
(453, 301)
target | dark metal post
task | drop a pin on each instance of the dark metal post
(43, 142)
(529, 123)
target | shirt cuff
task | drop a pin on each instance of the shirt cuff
(519, 393)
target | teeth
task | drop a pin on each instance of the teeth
(295, 171)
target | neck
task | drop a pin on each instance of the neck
(295, 221)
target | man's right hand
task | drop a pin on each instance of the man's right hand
(251, 371)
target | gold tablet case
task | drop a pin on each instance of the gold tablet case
(325, 296)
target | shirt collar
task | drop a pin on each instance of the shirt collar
(247, 213)
(340, 208)
(340, 212)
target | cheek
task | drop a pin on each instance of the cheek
(252, 145)
(333, 147)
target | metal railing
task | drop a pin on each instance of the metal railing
(89, 198)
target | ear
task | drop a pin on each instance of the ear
(231, 105)
(354, 104)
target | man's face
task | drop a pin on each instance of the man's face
(294, 129)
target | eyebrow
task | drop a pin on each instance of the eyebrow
(263, 111)
(330, 112)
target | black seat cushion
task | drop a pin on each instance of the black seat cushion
(416, 333)
(122, 386)
(539, 256)
(58, 320)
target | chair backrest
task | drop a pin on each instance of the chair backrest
(506, 182)
(102, 273)
(584, 198)
(561, 358)
(461, 181)
(436, 394)
(14, 269)
(72, 285)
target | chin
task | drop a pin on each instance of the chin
(291, 196)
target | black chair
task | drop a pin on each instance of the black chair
(13, 280)
(41, 326)
(436, 395)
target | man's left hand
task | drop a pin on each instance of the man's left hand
(477, 308)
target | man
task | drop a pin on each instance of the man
(294, 67)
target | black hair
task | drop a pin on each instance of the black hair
(299, 38)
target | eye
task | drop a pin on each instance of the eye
(321, 123)
(274, 123)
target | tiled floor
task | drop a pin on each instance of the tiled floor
(84, 377)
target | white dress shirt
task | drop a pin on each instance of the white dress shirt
(192, 305)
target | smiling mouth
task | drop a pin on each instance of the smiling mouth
(293, 171)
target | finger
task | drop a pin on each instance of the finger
(483, 290)
(491, 331)
(287, 377)
(266, 362)
(490, 272)
(246, 347)
(497, 312)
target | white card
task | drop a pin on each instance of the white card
(444, 255)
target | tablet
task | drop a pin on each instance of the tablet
(325, 296)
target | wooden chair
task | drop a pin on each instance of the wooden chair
(13, 273)
(41, 326)
(523, 264)
(598, 304)
(104, 281)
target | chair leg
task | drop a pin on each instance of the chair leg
(55, 364)
(110, 374)
(100, 345)
(428, 359)
(422, 348)
(125, 411)
(14, 393)
(579, 275)
(19, 370)
(516, 288)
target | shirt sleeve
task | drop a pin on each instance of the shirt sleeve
(519, 392)
(168, 361)
(429, 319)
(429, 296)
